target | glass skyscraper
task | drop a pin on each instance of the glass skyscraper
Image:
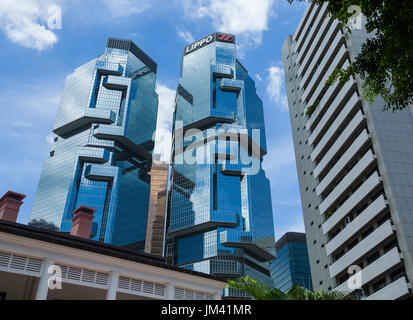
(291, 266)
(220, 215)
(102, 150)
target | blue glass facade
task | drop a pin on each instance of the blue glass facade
(220, 215)
(102, 150)
(291, 266)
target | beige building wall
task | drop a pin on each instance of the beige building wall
(157, 208)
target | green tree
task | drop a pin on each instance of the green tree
(259, 291)
(385, 63)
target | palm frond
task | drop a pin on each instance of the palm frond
(257, 290)
(260, 291)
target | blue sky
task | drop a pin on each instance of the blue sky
(35, 60)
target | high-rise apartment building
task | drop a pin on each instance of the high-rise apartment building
(102, 150)
(291, 266)
(355, 166)
(155, 228)
(220, 216)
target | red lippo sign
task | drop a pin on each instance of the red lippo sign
(225, 38)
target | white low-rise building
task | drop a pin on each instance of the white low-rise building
(46, 265)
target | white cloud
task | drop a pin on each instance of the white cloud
(276, 87)
(24, 21)
(245, 18)
(163, 135)
(126, 8)
(186, 36)
(50, 138)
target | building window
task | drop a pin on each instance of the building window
(379, 284)
(373, 257)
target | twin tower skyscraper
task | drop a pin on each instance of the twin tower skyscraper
(219, 215)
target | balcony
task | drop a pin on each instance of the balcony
(231, 85)
(393, 291)
(362, 248)
(328, 34)
(116, 83)
(374, 209)
(315, 29)
(96, 155)
(338, 122)
(354, 174)
(359, 195)
(337, 41)
(307, 11)
(108, 68)
(306, 29)
(342, 139)
(347, 95)
(115, 133)
(242, 239)
(89, 116)
(229, 169)
(216, 219)
(318, 79)
(221, 71)
(101, 172)
(351, 152)
(326, 101)
(373, 270)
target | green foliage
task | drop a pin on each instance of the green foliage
(385, 63)
(259, 291)
(329, 214)
(310, 109)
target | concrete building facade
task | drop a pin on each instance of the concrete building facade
(354, 163)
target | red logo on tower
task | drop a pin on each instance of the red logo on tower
(225, 38)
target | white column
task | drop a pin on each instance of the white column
(113, 285)
(218, 296)
(170, 292)
(43, 286)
